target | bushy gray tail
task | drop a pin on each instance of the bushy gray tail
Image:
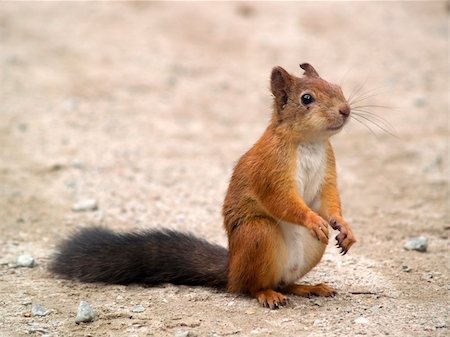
(151, 257)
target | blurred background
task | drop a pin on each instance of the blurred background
(145, 107)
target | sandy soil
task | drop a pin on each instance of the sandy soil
(147, 106)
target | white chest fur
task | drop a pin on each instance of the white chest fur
(311, 164)
(305, 251)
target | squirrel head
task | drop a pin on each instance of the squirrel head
(310, 107)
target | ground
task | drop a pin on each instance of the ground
(146, 106)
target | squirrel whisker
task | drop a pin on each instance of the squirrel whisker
(373, 115)
(366, 95)
(356, 90)
(374, 106)
(381, 127)
(361, 122)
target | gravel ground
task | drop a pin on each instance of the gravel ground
(141, 110)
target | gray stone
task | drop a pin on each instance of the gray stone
(85, 313)
(138, 308)
(419, 244)
(39, 310)
(85, 205)
(25, 260)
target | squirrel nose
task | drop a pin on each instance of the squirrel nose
(344, 111)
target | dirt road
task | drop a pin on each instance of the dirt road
(146, 107)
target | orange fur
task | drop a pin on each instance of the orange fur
(306, 290)
(331, 205)
(256, 256)
(330, 201)
(263, 189)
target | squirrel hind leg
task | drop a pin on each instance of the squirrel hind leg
(307, 290)
(257, 256)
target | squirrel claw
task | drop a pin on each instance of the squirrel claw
(345, 238)
(271, 299)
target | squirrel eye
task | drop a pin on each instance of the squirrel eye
(307, 99)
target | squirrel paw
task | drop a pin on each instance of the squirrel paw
(271, 299)
(324, 290)
(345, 239)
(318, 227)
(307, 290)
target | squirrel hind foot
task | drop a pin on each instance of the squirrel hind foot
(307, 290)
(271, 299)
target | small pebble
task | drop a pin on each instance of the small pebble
(77, 164)
(27, 301)
(25, 260)
(22, 127)
(420, 102)
(419, 244)
(406, 269)
(85, 205)
(84, 313)
(39, 310)
(138, 308)
(441, 325)
(361, 320)
(436, 163)
(259, 331)
(376, 307)
(318, 322)
(33, 329)
(183, 333)
(70, 104)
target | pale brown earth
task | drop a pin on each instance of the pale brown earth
(147, 106)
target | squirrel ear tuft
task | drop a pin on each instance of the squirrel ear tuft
(280, 84)
(309, 70)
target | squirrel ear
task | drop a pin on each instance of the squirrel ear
(280, 83)
(309, 70)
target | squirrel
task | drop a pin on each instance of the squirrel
(281, 199)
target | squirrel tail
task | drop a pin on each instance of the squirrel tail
(150, 257)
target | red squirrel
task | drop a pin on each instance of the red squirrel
(281, 198)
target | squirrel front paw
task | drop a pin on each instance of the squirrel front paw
(345, 239)
(317, 226)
